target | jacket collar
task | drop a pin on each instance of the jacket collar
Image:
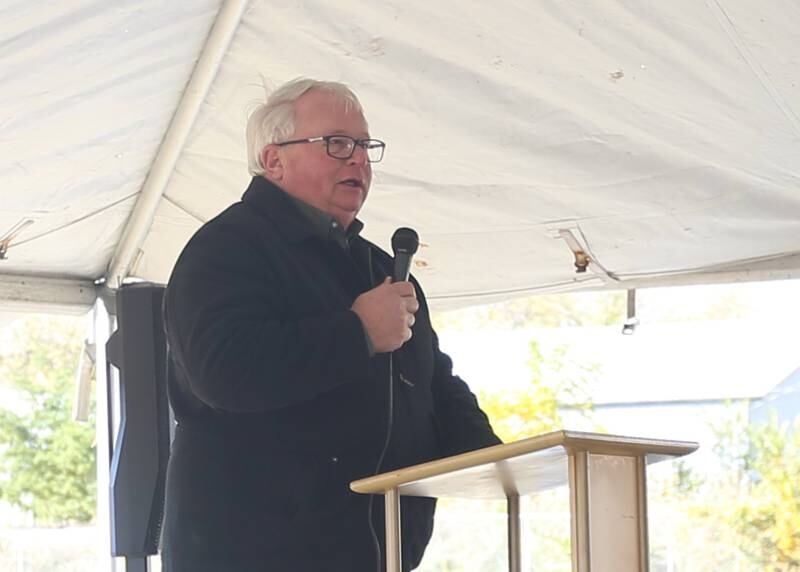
(284, 211)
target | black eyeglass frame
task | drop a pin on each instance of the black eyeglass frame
(363, 143)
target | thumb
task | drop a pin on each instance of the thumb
(385, 284)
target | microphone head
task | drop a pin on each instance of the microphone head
(405, 240)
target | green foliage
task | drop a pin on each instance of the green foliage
(767, 517)
(48, 460)
(547, 311)
(739, 512)
(748, 509)
(691, 304)
(557, 380)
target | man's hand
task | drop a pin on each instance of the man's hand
(387, 313)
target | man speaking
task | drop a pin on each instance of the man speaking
(300, 364)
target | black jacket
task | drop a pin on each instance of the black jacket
(280, 406)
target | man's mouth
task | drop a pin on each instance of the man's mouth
(356, 183)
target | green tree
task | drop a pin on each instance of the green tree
(766, 518)
(47, 461)
(545, 311)
(743, 514)
(557, 380)
(474, 530)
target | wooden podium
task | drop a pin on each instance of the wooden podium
(607, 489)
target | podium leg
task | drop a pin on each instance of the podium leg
(393, 553)
(641, 491)
(514, 535)
(579, 511)
(608, 506)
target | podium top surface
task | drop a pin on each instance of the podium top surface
(522, 467)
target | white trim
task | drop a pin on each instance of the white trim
(29, 294)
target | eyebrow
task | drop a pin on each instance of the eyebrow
(343, 132)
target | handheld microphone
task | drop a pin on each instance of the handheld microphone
(405, 242)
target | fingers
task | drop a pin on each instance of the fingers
(410, 321)
(387, 313)
(405, 289)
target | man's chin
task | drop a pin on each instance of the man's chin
(350, 204)
(346, 214)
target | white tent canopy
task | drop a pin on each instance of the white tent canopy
(660, 138)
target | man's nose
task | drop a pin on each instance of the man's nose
(359, 156)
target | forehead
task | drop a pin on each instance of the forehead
(320, 112)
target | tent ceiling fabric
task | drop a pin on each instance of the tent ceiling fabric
(88, 89)
(662, 137)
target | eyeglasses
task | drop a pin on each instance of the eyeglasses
(343, 146)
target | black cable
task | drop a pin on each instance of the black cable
(389, 425)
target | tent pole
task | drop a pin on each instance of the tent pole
(155, 184)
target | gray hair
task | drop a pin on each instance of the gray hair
(273, 121)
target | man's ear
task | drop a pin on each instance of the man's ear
(272, 161)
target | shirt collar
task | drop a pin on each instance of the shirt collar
(326, 227)
(298, 220)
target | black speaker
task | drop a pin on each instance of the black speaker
(140, 450)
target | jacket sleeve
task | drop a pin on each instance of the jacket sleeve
(461, 424)
(224, 323)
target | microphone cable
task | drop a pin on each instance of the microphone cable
(389, 427)
(387, 440)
